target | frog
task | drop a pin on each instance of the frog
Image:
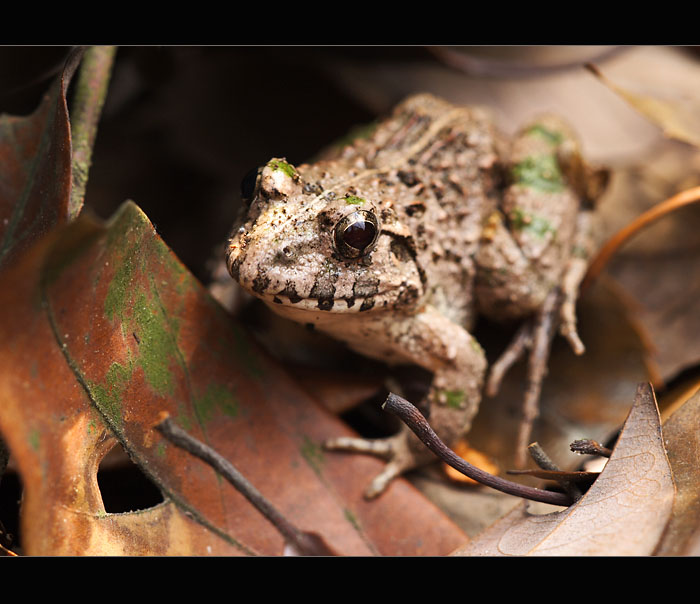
(397, 241)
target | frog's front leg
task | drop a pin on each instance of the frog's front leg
(458, 364)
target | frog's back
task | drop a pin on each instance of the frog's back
(436, 163)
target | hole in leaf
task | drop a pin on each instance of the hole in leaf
(124, 486)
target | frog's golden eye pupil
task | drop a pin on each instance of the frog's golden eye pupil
(356, 234)
(248, 184)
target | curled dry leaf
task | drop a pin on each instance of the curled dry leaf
(35, 155)
(634, 490)
(679, 117)
(103, 330)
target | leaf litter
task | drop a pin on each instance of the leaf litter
(137, 349)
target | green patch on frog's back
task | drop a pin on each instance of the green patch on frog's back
(552, 136)
(541, 172)
(354, 200)
(454, 398)
(521, 220)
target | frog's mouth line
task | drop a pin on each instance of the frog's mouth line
(335, 305)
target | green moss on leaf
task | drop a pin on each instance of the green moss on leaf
(216, 397)
(313, 455)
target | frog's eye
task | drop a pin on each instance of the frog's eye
(249, 183)
(356, 234)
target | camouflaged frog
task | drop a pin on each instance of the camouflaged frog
(395, 243)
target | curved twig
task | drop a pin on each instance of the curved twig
(409, 415)
(660, 210)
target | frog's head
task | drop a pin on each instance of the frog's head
(312, 241)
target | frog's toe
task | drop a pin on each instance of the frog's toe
(394, 449)
(381, 447)
(393, 469)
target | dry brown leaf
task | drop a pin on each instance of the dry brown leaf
(679, 117)
(682, 437)
(105, 330)
(634, 490)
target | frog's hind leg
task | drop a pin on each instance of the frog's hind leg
(458, 364)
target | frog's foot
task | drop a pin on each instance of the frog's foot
(394, 449)
(536, 335)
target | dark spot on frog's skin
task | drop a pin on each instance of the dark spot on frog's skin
(325, 303)
(235, 268)
(261, 283)
(276, 300)
(364, 288)
(407, 296)
(325, 221)
(438, 190)
(315, 188)
(399, 250)
(415, 209)
(324, 288)
(367, 304)
(408, 178)
(290, 291)
(350, 302)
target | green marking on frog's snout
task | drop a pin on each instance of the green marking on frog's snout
(354, 200)
(521, 220)
(540, 172)
(282, 166)
(551, 136)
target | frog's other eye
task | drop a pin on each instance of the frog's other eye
(356, 234)
(249, 184)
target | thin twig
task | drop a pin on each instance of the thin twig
(517, 346)
(590, 447)
(544, 461)
(90, 94)
(409, 415)
(307, 544)
(556, 476)
(660, 210)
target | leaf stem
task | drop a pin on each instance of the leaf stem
(307, 544)
(408, 414)
(90, 94)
